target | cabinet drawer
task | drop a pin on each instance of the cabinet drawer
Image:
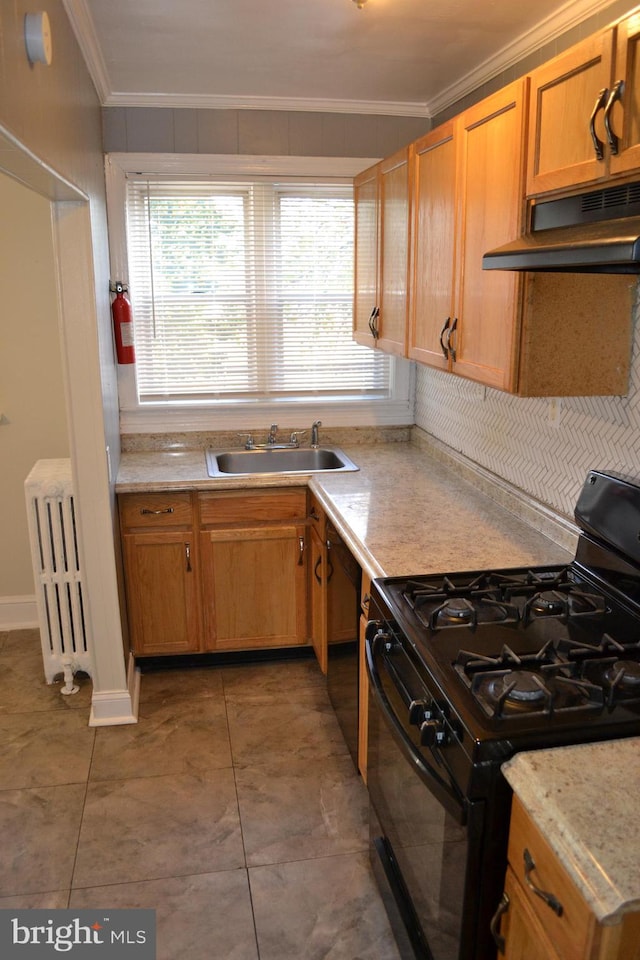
(155, 510)
(259, 506)
(573, 930)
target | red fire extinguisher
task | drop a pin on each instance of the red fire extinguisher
(123, 326)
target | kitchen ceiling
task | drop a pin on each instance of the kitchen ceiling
(396, 57)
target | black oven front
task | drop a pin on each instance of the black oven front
(439, 854)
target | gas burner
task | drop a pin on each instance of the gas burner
(518, 686)
(624, 675)
(568, 601)
(454, 612)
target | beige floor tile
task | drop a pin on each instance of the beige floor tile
(326, 909)
(277, 730)
(177, 736)
(55, 900)
(39, 829)
(197, 917)
(144, 829)
(182, 684)
(33, 753)
(295, 810)
(279, 680)
(24, 688)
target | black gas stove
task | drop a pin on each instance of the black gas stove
(468, 668)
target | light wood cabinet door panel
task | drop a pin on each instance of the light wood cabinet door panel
(433, 252)
(393, 296)
(564, 95)
(162, 592)
(490, 139)
(254, 587)
(366, 253)
(625, 111)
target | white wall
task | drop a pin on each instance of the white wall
(31, 380)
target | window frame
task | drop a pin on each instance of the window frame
(198, 414)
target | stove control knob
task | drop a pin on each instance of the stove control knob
(432, 733)
(419, 710)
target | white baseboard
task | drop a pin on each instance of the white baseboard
(115, 707)
(18, 613)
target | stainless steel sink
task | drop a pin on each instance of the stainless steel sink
(224, 463)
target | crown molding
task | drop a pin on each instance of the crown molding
(214, 102)
(568, 16)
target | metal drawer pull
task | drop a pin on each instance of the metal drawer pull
(301, 550)
(598, 145)
(313, 515)
(494, 926)
(549, 899)
(615, 94)
(187, 550)
(155, 513)
(443, 346)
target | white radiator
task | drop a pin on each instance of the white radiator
(56, 571)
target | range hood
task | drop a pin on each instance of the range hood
(597, 232)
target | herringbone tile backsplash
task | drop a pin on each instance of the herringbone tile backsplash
(523, 441)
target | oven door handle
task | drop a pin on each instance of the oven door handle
(437, 786)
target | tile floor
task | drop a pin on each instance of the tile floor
(232, 808)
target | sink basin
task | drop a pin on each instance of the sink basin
(224, 463)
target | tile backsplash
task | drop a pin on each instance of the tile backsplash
(543, 446)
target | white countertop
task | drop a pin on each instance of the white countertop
(584, 800)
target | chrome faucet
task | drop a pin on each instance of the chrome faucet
(273, 429)
(315, 440)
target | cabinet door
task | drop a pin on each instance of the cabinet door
(393, 286)
(162, 592)
(254, 587)
(365, 194)
(564, 94)
(490, 211)
(434, 177)
(625, 111)
(524, 935)
(318, 595)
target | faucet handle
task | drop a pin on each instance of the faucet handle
(249, 440)
(295, 434)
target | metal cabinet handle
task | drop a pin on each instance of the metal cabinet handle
(452, 350)
(315, 570)
(598, 145)
(187, 552)
(443, 346)
(155, 513)
(313, 515)
(549, 899)
(329, 564)
(373, 326)
(612, 138)
(494, 926)
(300, 551)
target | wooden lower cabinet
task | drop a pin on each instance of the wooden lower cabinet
(544, 916)
(162, 592)
(215, 571)
(254, 587)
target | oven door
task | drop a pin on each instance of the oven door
(430, 837)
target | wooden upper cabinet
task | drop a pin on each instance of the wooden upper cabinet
(367, 260)
(382, 204)
(585, 112)
(567, 101)
(490, 204)
(625, 111)
(433, 264)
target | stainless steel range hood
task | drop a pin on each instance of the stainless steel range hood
(597, 232)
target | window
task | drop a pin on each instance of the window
(240, 273)
(244, 290)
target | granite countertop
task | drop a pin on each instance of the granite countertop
(584, 800)
(403, 512)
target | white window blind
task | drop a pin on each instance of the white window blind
(245, 290)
